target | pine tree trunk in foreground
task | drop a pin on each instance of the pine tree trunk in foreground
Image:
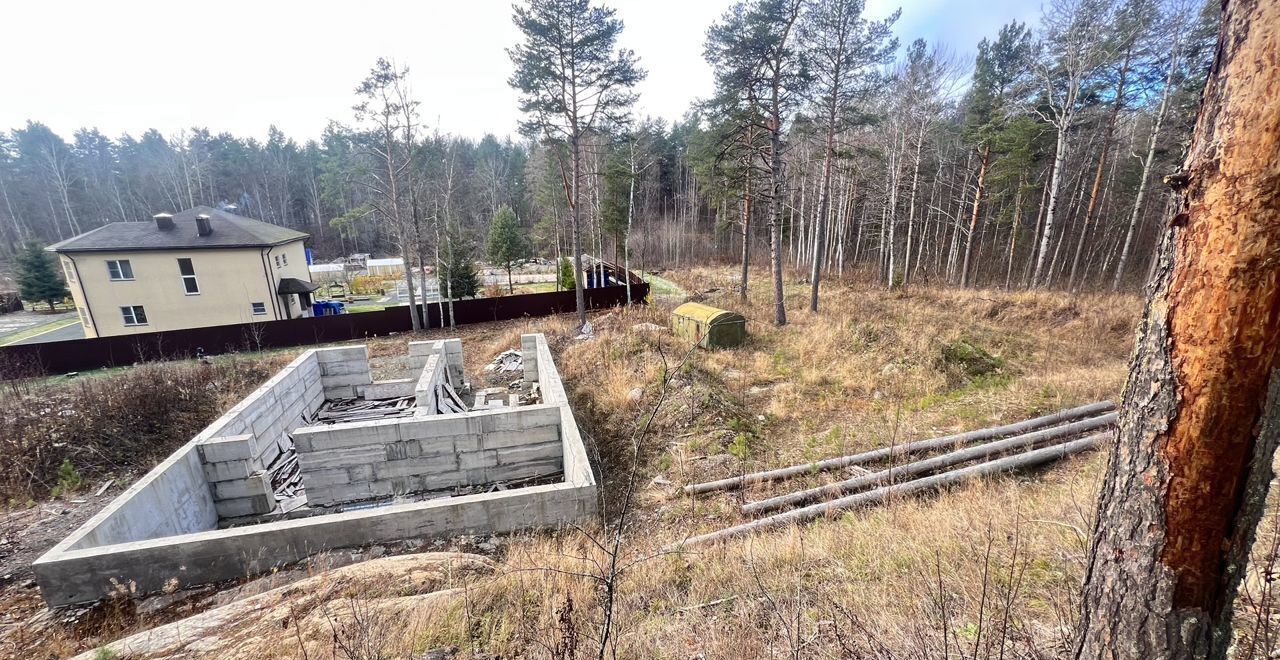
(1188, 477)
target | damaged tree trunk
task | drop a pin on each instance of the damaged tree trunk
(1188, 477)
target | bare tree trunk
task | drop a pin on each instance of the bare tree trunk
(775, 220)
(574, 212)
(1188, 477)
(1107, 134)
(1146, 164)
(911, 206)
(1013, 232)
(973, 219)
(1059, 158)
(746, 229)
(824, 207)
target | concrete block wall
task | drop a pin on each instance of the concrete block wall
(387, 389)
(424, 391)
(342, 370)
(577, 467)
(351, 462)
(239, 487)
(218, 555)
(419, 351)
(162, 530)
(176, 497)
(529, 356)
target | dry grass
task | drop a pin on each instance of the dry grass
(980, 571)
(983, 571)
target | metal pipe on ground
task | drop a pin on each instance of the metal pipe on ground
(944, 442)
(928, 465)
(1009, 463)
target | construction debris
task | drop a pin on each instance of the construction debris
(448, 401)
(507, 361)
(337, 411)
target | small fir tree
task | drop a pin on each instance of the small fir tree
(565, 280)
(506, 245)
(38, 278)
(459, 269)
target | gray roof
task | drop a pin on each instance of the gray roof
(229, 231)
(295, 285)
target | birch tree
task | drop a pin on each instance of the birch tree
(1072, 48)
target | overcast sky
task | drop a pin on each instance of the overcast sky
(240, 66)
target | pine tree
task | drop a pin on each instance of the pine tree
(506, 245)
(572, 79)
(38, 278)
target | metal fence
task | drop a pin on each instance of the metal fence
(61, 357)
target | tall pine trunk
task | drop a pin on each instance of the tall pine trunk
(1188, 477)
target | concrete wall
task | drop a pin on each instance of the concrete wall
(171, 499)
(344, 372)
(357, 461)
(85, 575)
(161, 531)
(577, 467)
(420, 351)
(426, 390)
(176, 497)
(239, 486)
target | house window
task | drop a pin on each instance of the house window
(84, 318)
(134, 315)
(119, 270)
(189, 283)
(277, 261)
(69, 270)
(284, 259)
(259, 309)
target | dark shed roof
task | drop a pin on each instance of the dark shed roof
(228, 231)
(295, 285)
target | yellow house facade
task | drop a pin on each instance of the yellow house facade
(201, 267)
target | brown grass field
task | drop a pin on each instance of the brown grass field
(987, 570)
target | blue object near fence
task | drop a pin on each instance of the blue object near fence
(328, 308)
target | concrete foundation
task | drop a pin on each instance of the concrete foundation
(365, 482)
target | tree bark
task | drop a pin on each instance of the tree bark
(973, 219)
(1188, 477)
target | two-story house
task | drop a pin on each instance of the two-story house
(197, 268)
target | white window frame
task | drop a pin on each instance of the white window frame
(254, 307)
(284, 258)
(186, 277)
(119, 270)
(84, 317)
(130, 315)
(69, 270)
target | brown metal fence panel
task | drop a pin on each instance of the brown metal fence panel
(62, 357)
